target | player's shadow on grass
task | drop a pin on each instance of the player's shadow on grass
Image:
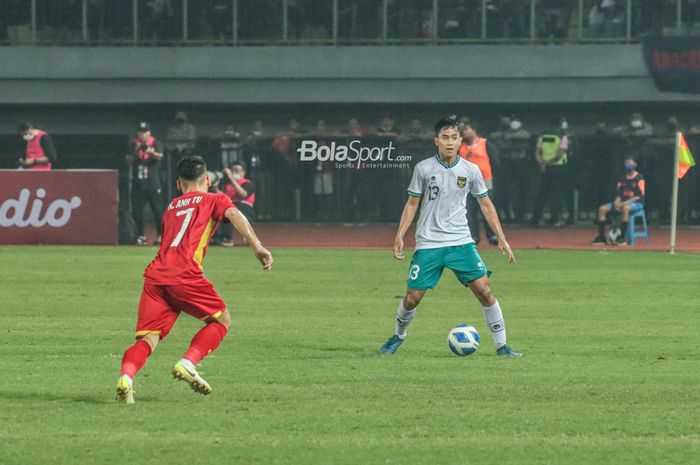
(47, 396)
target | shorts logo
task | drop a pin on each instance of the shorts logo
(461, 181)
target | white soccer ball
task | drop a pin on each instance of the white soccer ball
(463, 339)
(614, 234)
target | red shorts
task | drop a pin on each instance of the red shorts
(161, 305)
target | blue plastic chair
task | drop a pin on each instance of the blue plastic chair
(632, 232)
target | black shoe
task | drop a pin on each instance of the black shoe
(620, 241)
(493, 240)
(599, 240)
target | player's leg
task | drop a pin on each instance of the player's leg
(137, 204)
(493, 316)
(602, 221)
(471, 271)
(423, 273)
(155, 203)
(543, 194)
(625, 210)
(203, 302)
(155, 320)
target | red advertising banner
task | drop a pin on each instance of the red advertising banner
(59, 207)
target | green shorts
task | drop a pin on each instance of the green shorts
(427, 265)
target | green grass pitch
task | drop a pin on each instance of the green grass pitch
(610, 374)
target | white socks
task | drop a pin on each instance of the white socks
(403, 319)
(494, 320)
(189, 365)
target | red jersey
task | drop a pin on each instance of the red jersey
(188, 223)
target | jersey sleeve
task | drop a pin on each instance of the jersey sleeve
(415, 188)
(221, 204)
(477, 186)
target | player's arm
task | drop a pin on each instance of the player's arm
(409, 212)
(155, 151)
(246, 230)
(491, 215)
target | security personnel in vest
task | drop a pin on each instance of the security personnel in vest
(146, 183)
(551, 156)
(479, 151)
(40, 154)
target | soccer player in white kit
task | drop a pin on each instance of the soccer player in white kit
(440, 185)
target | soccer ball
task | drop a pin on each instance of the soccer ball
(463, 339)
(614, 234)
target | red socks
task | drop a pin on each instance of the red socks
(134, 358)
(205, 341)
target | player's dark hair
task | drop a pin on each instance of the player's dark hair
(446, 122)
(191, 167)
(23, 125)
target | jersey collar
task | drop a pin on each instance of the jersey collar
(451, 165)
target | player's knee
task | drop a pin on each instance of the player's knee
(225, 319)
(151, 340)
(485, 295)
(412, 299)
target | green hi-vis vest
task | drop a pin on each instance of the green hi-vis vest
(549, 143)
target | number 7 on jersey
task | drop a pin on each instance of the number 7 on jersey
(188, 217)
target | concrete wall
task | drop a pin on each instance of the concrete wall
(517, 74)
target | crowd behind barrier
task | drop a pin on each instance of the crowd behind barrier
(162, 22)
(289, 189)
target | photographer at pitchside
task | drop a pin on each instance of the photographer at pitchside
(146, 183)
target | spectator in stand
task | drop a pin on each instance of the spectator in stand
(230, 146)
(596, 19)
(323, 179)
(512, 142)
(637, 128)
(284, 170)
(479, 151)
(181, 137)
(614, 16)
(515, 18)
(258, 130)
(17, 19)
(551, 156)
(387, 181)
(241, 191)
(354, 129)
(386, 128)
(40, 154)
(157, 19)
(416, 132)
(221, 20)
(146, 185)
(180, 140)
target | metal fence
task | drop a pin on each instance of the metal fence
(290, 22)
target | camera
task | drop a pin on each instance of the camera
(215, 177)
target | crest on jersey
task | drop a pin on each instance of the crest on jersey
(461, 181)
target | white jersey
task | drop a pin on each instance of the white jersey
(444, 188)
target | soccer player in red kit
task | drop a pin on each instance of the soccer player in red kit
(174, 281)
